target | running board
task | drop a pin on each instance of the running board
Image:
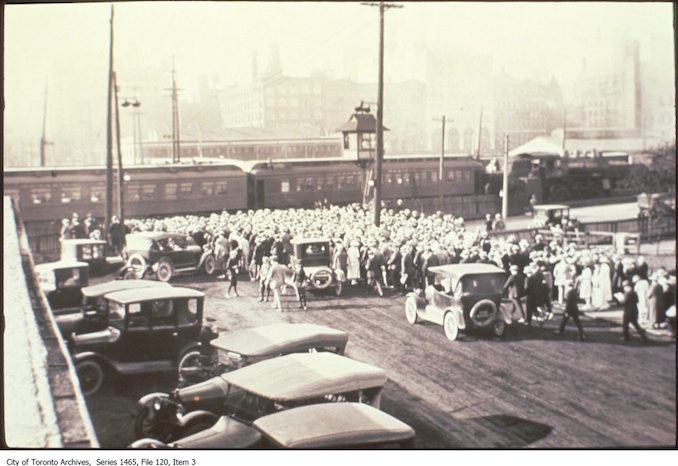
(127, 368)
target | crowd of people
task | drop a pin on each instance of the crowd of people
(397, 255)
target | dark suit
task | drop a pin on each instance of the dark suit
(631, 314)
(571, 310)
(515, 285)
(534, 291)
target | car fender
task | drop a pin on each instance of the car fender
(458, 315)
(194, 417)
(146, 399)
(421, 302)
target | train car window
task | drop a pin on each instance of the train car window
(330, 183)
(320, 183)
(171, 191)
(133, 192)
(341, 181)
(148, 192)
(399, 177)
(207, 188)
(467, 175)
(388, 178)
(450, 175)
(69, 194)
(417, 178)
(309, 184)
(285, 186)
(186, 189)
(96, 193)
(222, 187)
(350, 180)
(434, 177)
(406, 178)
(458, 175)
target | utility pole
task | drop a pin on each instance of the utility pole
(564, 129)
(109, 139)
(176, 139)
(505, 187)
(441, 165)
(43, 140)
(480, 129)
(380, 111)
(121, 210)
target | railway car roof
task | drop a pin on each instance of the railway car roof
(277, 338)
(332, 425)
(150, 294)
(305, 375)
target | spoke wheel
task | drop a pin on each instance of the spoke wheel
(210, 265)
(91, 377)
(411, 310)
(190, 369)
(147, 427)
(450, 326)
(339, 288)
(165, 270)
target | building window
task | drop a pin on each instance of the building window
(285, 186)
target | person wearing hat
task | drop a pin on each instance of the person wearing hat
(571, 310)
(300, 280)
(515, 288)
(629, 299)
(276, 281)
(263, 279)
(655, 300)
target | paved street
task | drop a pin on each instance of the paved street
(530, 389)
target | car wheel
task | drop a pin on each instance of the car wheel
(146, 427)
(130, 274)
(91, 376)
(498, 327)
(339, 288)
(210, 265)
(450, 326)
(190, 370)
(411, 310)
(137, 263)
(165, 270)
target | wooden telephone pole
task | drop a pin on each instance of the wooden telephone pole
(43, 140)
(380, 111)
(441, 165)
(109, 139)
(176, 138)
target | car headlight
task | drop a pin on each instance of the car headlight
(157, 404)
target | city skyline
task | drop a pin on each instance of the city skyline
(64, 47)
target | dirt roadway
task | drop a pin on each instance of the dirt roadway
(530, 389)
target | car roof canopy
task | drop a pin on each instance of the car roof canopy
(118, 285)
(305, 375)
(277, 338)
(460, 270)
(331, 425)
(60, 265)
(150, 294)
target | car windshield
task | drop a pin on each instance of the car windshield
(314, 250)
(248, 406)
(116, 315)
(482, 284)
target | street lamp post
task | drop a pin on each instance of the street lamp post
(136, 132)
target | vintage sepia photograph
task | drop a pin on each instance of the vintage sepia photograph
(347, 225)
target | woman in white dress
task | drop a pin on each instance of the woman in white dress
(560, 278)
(353, 262)
(641, 287)
(585, 286)
(605, 282)
(596, 291)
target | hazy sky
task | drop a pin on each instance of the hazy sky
(69, 42)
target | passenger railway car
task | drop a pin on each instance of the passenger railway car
(48, 194)
(249, 149)
(302, 183)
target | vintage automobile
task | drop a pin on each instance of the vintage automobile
(62, 284)
(547, 215)
(165, 255)
(91, 251)
(257, 390)
(318, 426)
(469, 297)
(149, 330)
(243, 347)
(92, 315)
(314, 254)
